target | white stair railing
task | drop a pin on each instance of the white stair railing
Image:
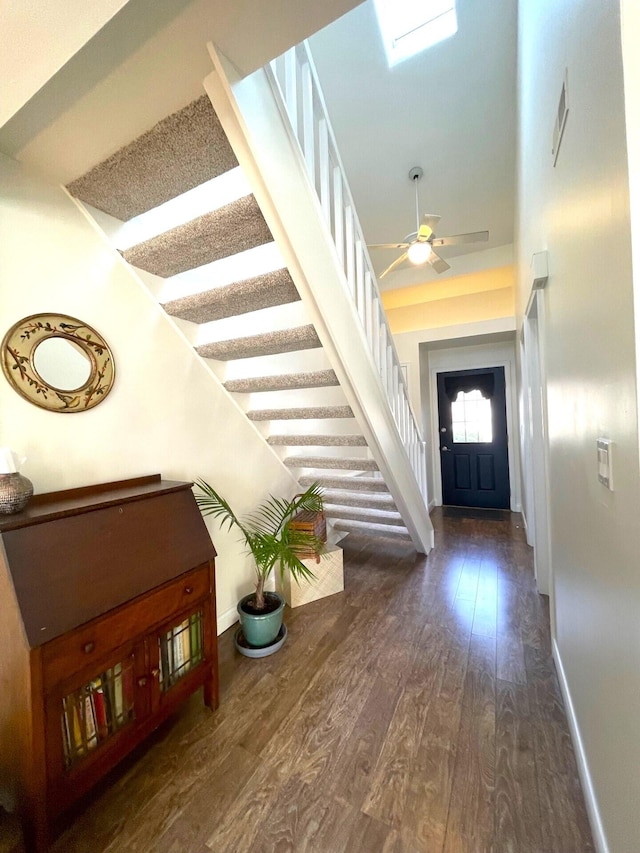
(295, 85)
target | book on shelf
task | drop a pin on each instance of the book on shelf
(78, 724)
(90, 729)
(100, 707)
(78, 744)
(186, 643)
(108, 694)
(118, 704)
(127, 691)
(194, 635)
(180, 644)
(177, 651)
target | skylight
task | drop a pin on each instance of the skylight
(410, 26)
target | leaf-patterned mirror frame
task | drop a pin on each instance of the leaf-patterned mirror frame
(19, 346)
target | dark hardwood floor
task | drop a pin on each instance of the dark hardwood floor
(417, 712)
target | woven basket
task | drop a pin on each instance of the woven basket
(311, 522)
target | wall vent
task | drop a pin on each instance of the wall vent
(561, 118)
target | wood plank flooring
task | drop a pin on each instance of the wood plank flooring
(417, 712)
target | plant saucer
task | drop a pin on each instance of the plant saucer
(262, 652)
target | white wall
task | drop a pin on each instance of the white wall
(38, 38)
(166, 413)
(579, 211)
(631, 62)
(408, 348)
(146, 62)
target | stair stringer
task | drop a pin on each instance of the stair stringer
(262, 141)
(222, 325)
(185, 330)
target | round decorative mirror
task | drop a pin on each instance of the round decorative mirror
(58, 362)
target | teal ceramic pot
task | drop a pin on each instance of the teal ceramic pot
(261, 629)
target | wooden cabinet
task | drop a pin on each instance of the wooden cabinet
(108, 624)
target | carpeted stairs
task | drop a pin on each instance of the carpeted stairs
(283, 370)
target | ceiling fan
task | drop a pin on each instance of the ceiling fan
(419, 245)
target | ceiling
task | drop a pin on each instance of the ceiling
(450, 110)
(38, 37)
(146, 62)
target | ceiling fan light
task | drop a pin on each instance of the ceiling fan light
(419, 253)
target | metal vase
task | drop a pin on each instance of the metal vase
(15, 491)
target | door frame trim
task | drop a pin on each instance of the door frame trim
(470, 358)
(499, 442)
(535, 439)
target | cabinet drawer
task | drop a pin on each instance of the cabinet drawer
(91, 643)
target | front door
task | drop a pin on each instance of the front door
(473, 438)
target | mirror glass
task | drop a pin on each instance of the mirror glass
(62, 364)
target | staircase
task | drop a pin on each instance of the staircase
(217, 271)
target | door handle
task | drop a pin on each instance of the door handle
(445, 449)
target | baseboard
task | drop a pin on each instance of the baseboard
(227, 619)
(597, 829)
(432, 504)
(528, 533)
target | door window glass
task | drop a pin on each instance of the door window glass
(97, 710)
(471, 418)
(181, 648)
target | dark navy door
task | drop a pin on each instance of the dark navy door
(473, 438)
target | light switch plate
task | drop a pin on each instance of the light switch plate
(605, 462)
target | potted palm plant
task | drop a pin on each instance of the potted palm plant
(273, 541)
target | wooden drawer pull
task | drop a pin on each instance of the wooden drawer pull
(88, 647)
(188, 590)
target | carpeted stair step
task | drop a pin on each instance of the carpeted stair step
(231, 229)
(283, 382)
(377, 516)
(303, 413)
(267, 343)
(252, 294)
(368, 527)
(367, 500)
(181, 152)
(350, 484)
(348, 463)
(317, 441)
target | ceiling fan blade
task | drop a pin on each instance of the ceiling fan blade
(438, 263)
(394, 265)
(430, 220)
(388, 245)
(458, 239)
